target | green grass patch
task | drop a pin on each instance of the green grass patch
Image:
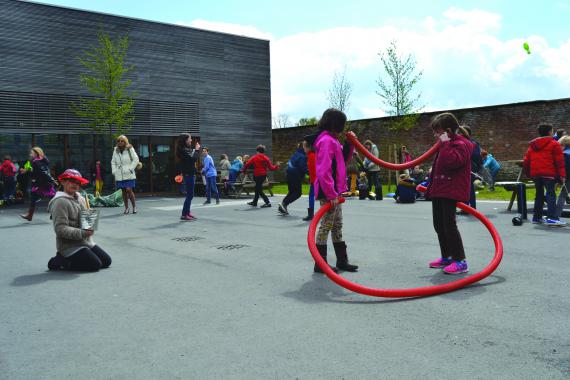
(499, 194)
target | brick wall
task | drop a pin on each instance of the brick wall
(503, 130)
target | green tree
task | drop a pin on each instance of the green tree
(111, 107)
(340, 91)
(307, 121)
(397, 90)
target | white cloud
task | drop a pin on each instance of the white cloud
(464, 60)
(237, 29)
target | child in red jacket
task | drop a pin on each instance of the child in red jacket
(450, 182)
(544, 163)
(261, 163)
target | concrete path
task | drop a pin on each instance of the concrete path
(233, 296)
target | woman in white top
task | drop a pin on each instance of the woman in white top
(124, 164)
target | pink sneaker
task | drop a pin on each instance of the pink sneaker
(456, 267)
(440, 263)
(192, 216)
(186, 218)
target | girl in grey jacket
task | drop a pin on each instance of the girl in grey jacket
(76, 249)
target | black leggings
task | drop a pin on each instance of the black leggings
(295, 186)
(89, 259)
(445, 226)
(259, 190)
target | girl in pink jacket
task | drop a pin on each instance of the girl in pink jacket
(450, 182)
(330, 183)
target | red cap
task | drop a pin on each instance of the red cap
(73, 174)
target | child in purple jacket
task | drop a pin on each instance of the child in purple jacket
(450, 182)
(330, 183)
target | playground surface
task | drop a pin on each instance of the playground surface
(233, 296)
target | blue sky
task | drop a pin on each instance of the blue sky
(470, 52)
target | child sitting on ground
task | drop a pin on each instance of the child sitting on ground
(406, 190)
(362, 186)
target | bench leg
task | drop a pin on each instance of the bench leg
(513, 197)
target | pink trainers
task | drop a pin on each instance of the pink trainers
(440, 263)
(456, 267)
(192, 216)
(186, 218)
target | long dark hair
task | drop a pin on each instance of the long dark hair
(332, 120)
(181, 143)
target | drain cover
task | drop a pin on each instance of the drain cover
(231, 247)
(188, 238)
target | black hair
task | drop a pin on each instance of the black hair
(560, 133)
(544, 129)
(260, 148)
(445, 121)
(181, 143)
(332, 120)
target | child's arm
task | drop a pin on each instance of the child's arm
(454, 156)
(526, 163)
(559, 162)
(324, 170)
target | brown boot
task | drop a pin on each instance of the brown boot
(342, 258)
(29, 215)
(323, 252)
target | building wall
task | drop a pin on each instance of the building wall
(503, 130)
(213, 84)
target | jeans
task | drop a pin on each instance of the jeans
(295, 185)
(444, 223)
(259, 190)
(89, 259)
(374, 180)
(9, 188)
(562, 199)
(541, 184)
(211, 188)
(189, 181)
(472, 196)
(232, 179)
(312, 197)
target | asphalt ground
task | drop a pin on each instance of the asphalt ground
(233, 296)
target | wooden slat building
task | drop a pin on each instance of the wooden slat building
(213, 85)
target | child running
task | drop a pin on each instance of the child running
(296, 170)
(450, 182)
(330, 183)
(261, 163)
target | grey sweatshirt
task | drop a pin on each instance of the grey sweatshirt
(65, 212)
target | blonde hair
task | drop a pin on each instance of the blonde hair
(564, 141)
(39, 151)
(126, 140)
(239, 158)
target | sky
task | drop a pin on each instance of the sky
(471, 53)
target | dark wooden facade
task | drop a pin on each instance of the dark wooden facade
(212, 84)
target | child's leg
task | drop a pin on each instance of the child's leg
(454, 243)
(539, 199)
(214, 188)
(353, 183)
(327, 223)
(562, 199)
(312, 197)
(550, 186)
(438, 225)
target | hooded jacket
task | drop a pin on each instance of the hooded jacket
(544, 158)
(209, 169)
(297, 165)
(225, 167)
(330, 179)
(368, 164)
(451, 171)
(65, 212)
(124, 163)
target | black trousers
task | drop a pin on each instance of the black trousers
(295, 185)
(445, 226)
(89, 259)
(374, 180)
(259, 189)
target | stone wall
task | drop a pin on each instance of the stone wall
(503, 130)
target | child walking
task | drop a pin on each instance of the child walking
(296, 170)
(261, 164)
(450, 182)
(330, 183)
(209, 171)
(544, 163)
